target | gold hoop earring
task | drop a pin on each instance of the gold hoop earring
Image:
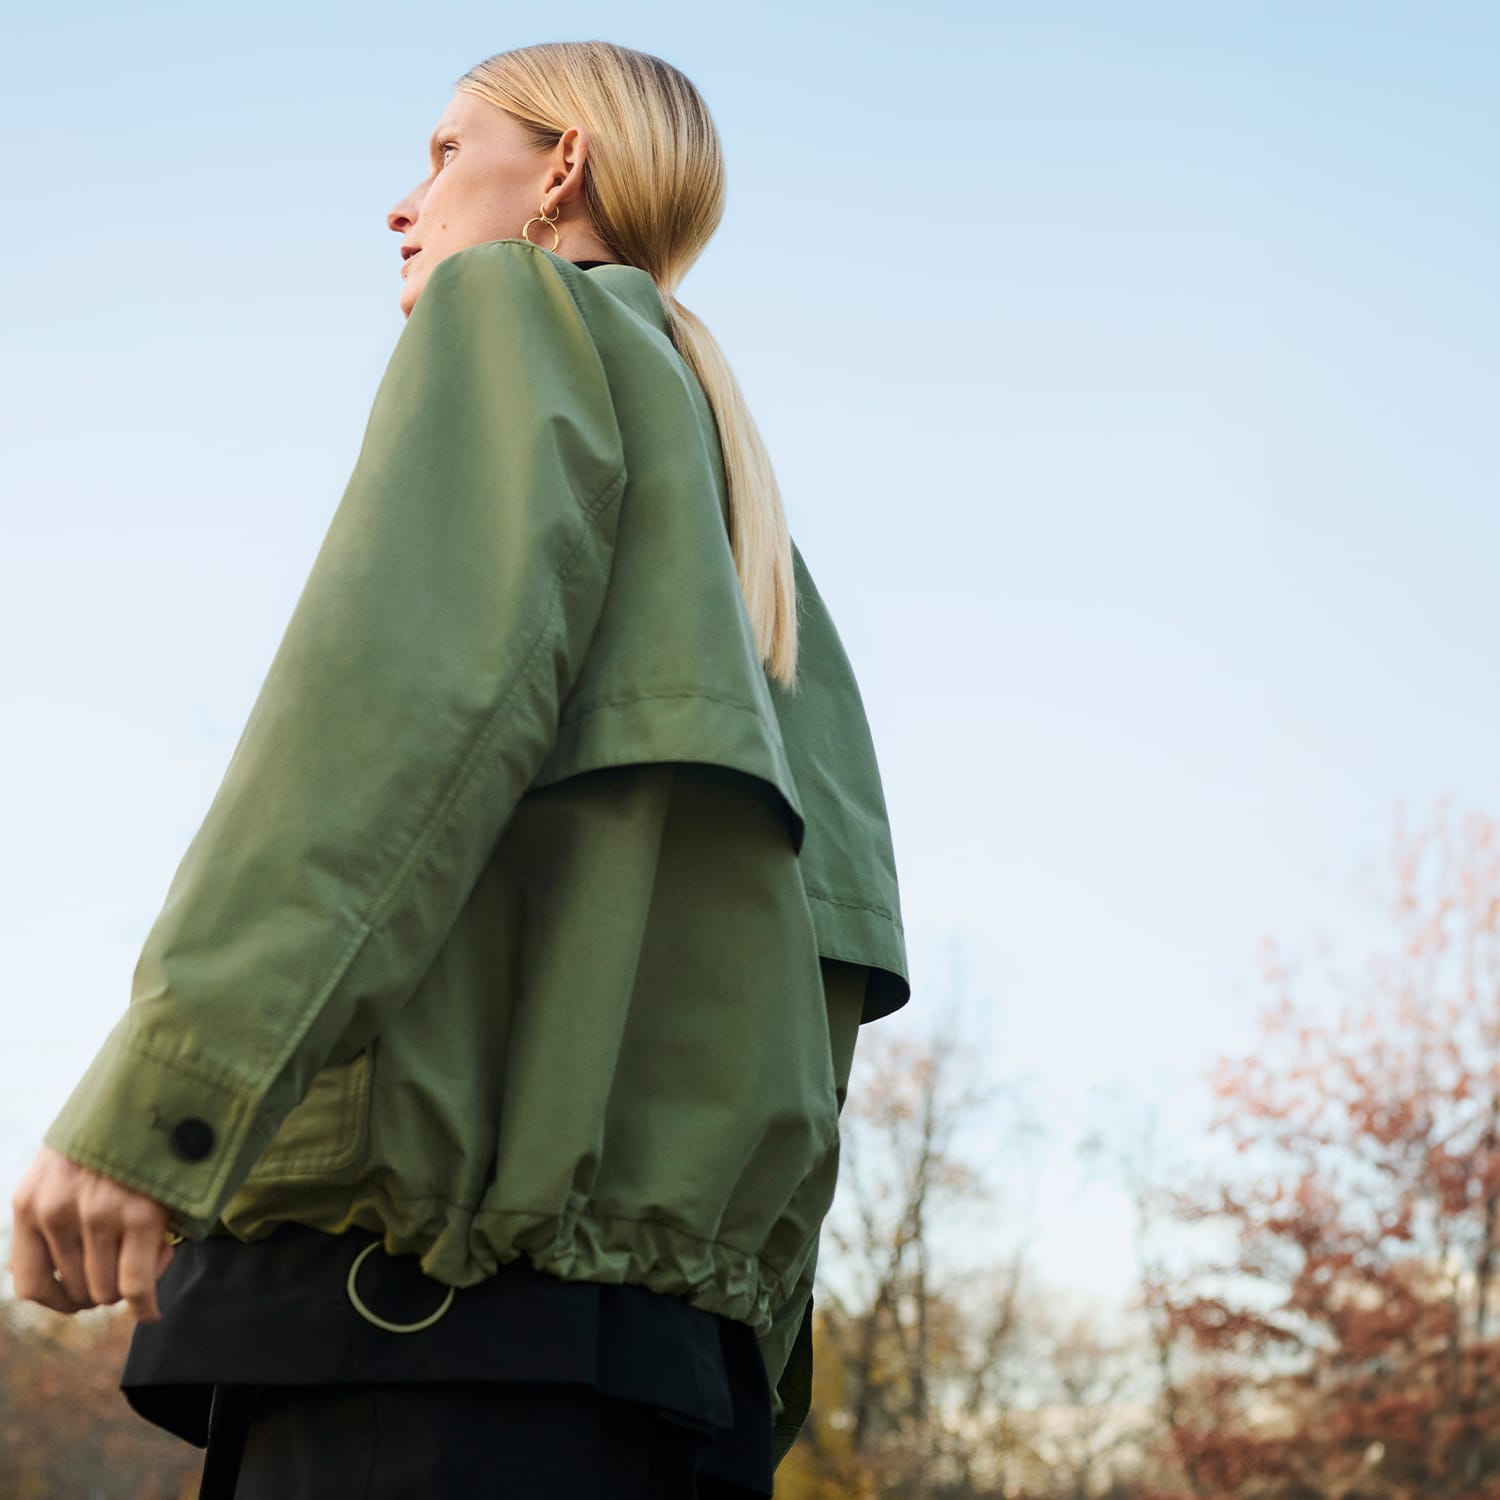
(550, 223)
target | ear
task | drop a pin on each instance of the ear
(568, 156)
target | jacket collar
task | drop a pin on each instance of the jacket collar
(633, 286)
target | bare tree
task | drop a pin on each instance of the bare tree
(927, 1343)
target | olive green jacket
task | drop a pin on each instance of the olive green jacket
(531, 914)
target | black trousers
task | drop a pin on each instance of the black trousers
(468, 1440)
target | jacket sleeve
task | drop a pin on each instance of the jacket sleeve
(414, 693)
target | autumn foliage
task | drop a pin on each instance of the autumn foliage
(1339, 1340)
(66, 1432)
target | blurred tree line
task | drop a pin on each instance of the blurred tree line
(1345, 1345)
(1317, 1308)
(65, 1430)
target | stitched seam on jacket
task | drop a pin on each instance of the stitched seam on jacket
(878, 911)
(167, 1189)
(220, 1079)
(583, 713)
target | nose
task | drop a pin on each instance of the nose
(404, 214)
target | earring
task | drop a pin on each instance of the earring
(550, 223)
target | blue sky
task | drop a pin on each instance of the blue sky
(1130, 373)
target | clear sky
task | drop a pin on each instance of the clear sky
(1131, 375)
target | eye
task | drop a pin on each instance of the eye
(443, 148)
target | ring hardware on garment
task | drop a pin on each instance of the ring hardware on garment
(375, 1318)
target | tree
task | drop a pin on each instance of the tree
(1344, 1343)
(1095, 1418)
(925, 1352)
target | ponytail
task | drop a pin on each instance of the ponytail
(758, 536)
(654, 189)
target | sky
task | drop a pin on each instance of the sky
(1130, 375)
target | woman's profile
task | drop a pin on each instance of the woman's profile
(476, 1109)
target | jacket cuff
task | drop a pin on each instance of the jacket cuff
(176, 1131)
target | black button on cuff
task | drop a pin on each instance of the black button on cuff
(192, 1139)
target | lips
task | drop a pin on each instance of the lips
(408, 260)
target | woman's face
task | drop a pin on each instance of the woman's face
(486, 179)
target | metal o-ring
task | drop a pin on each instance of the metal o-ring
(375, 1318)
(550, 223)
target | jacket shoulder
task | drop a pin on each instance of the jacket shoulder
(673, 672)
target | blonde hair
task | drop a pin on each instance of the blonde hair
(654, 189)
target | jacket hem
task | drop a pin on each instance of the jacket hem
(461, 1247)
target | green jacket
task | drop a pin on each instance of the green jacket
(531, 914)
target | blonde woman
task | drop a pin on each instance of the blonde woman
(485, 1063)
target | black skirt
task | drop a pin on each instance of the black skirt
(278, 1312)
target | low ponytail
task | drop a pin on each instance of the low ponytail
(654, 188)
(758, 534)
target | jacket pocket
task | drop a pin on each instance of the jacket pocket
(327, 1130)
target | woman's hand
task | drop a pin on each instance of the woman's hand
(104, 1241)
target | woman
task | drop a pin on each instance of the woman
(486, 1058)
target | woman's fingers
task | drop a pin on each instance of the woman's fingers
(58, 1222)
(44, 1214)
(140, 1255)
(31, 1270)
(81, 1239)
(101, 1258)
